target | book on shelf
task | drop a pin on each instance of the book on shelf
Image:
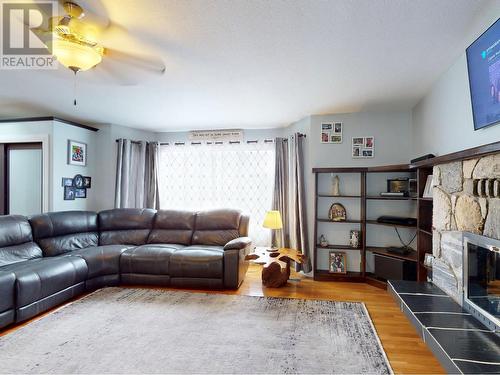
(393, 194)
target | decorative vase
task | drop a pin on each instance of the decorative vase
(322, 241)
(335, 185)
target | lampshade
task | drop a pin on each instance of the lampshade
(75, 56)
(273, 220)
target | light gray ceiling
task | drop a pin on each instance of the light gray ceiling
(255, 63)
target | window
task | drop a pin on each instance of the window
(197, 177)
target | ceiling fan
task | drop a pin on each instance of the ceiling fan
(77, 43)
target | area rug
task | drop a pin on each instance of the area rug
(121, 330)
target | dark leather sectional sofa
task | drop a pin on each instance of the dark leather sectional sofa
(50, 258)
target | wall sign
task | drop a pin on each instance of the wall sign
(231, 135)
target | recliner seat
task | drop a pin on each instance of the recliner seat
(56, 256)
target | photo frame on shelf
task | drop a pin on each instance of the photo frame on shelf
(337, 262)
(363, 147)
(429, 185)
(331, 132)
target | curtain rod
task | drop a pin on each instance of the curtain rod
(213, 142)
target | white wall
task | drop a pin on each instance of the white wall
(442, 120)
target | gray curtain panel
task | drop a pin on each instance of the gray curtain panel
(289, 196)
(137, 175)
(298, 215)
(280, 197)
(152, 196)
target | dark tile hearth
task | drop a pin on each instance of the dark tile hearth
(460, 342)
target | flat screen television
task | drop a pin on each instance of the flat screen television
(483, 62)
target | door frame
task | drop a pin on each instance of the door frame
(44, 139)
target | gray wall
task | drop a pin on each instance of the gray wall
(442, 120)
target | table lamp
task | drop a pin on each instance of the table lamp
(273, 221)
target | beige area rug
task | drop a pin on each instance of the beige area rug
(122, 330)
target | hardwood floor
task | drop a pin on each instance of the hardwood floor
(407, 353)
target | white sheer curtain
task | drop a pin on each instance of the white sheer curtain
(198, 177)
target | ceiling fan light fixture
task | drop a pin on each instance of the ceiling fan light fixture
(75, 56)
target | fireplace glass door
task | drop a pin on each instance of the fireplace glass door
(483, 284)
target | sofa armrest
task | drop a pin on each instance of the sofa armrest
(238, 243)
(235, 262)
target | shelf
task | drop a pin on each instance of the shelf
(324, 275)
(391, 198)
(412, 257)
(425, 199)
(338, 196)
(375, 222)
(339, 222)
(425, 231)
(337, 247)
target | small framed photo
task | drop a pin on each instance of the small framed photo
(67, 181)
(359, 141)
(87, 182)
(334, 138)
(337, 262)
(81, 193)
(428, 260)
(367, 153)
(337, 128)
(77, 153)
(69, 193)
(78, 181)
(326, 127)
(356, 152)
(369, 142)
(325, 137)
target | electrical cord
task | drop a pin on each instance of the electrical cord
(401, 240)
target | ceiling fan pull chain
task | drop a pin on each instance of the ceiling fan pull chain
(74, 88)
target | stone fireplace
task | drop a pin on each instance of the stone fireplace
(466, 198)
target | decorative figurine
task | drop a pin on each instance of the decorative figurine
(337, 212)
(335, 185)
(354, 238)
(322, 241)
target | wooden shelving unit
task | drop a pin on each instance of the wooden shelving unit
(423, 228)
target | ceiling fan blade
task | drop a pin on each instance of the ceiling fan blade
(147, 63)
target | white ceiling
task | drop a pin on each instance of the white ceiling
(255, 63)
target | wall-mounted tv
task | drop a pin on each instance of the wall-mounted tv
(483, 62)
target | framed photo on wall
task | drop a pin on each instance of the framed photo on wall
(77, 153)
(331, 132)
(363, 147)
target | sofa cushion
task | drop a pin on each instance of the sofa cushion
(216, 227)
(7, 280)
(171, 226)
(61, 232)
(153, 259)
(197, 261)
(40, 278)
(125, 226)
(16, 241)
(101, 260)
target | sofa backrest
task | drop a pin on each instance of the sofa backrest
(172, 226)
(16, 240)
(61, 232)
(218, 227)
(125, 226)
